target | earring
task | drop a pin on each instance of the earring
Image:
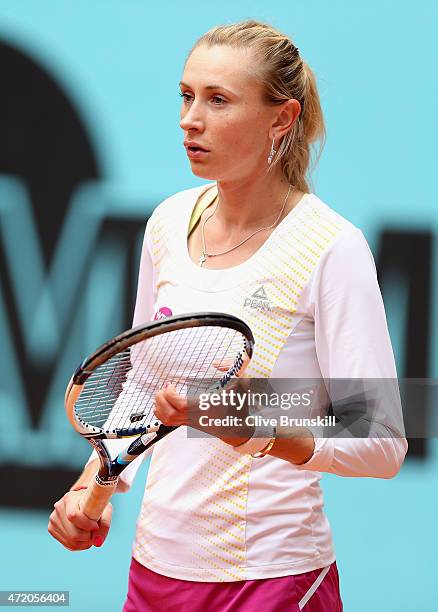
(272, 153)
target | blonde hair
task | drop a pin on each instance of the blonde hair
(283, 75)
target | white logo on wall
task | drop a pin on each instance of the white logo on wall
(258, 300)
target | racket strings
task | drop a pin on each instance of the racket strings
(119, 394)
(103, 388)
(216, 358)
(149, 367)
(163, 363)
(188, 363)
(198, 357)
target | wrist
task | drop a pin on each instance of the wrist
(295, 444)
(241, 439)
(260, 443)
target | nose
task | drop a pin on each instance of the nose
(191, 118)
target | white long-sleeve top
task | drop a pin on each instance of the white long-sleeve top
(311, 297)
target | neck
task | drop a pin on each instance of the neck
(248, 203)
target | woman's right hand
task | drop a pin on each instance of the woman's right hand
(72, 528)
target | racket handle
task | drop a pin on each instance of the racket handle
(96, 498)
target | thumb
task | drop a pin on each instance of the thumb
(104, 523)
(173, 397)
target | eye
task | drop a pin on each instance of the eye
(186, 97)
(218, 101)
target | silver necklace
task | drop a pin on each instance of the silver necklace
(205, 253)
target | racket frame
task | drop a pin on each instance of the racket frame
(101, 489)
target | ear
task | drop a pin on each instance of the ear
(286, 115)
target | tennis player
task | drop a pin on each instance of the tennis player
(229, 524)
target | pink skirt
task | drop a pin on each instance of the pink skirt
(316, 591)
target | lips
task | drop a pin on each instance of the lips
(193, 146)
(195, 151)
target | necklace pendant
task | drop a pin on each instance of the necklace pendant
(202, 259)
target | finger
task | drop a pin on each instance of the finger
(240, 384)
(76, 546)
(100, 536)
(168, 416)
(167, 413)
(79, 536)
(163, 410)
(81, 521)
(74, 514)
(171, 395)
(62, 525)
(70, 544)
(224, 365)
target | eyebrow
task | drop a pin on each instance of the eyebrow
(210, 87)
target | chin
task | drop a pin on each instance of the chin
(203, 172)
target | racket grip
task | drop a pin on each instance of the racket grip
(96, 497)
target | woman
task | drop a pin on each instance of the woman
(231, 524)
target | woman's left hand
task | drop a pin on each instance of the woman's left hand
(173, 409)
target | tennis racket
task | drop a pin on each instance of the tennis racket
(111, 394)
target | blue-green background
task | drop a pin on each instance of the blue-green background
(376, 61)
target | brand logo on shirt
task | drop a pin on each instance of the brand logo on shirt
(258, 300)
(162, 313)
